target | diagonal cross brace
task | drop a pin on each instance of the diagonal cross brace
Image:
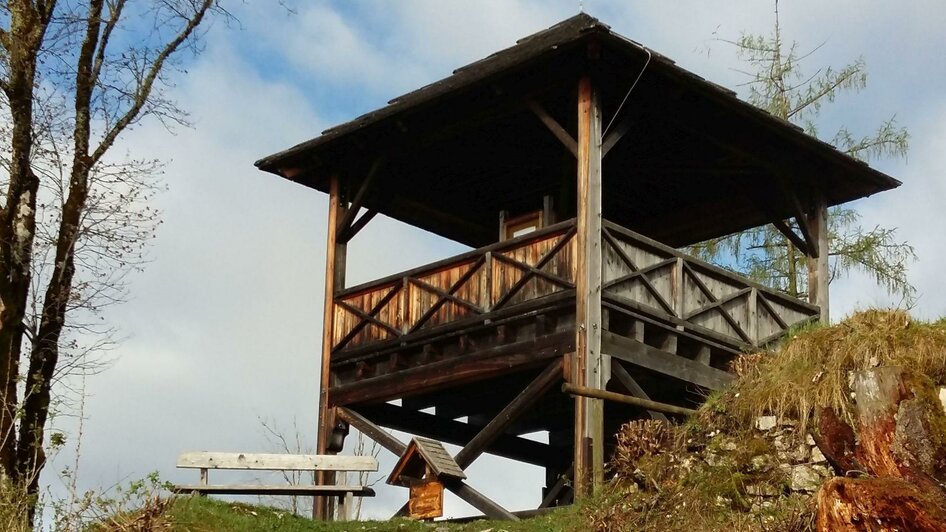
(498, 425)
(463, 490)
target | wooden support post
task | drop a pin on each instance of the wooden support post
(589, 369)
(818, 259)
(335, 253)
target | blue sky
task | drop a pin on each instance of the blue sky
(223, 327)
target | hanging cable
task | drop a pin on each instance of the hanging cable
(626, 96)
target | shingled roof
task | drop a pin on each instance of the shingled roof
(698, 163)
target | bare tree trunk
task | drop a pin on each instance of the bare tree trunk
(28, 25)
(901, 440)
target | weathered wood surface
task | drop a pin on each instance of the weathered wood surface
(426, 500)
(693, 294)
(267, 461)
(476, 283)
(878, 504)
(484, 363)
(641, 354)
(898, 439)
(589, 367)
(508, 415)
(584, 391)
(630, 384)
(288, 489)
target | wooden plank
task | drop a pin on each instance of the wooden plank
(452, 372)
(358, 225)
(335, 258)
(711, 269)
(654, 359)
(469, 256)
(498, 425)
(462, 327)
(426, 500)
(590, 367)
(584, 391)
(457, 433)
(563, 136)
(564, 481)
(439, 460)
(818, 274)
(479, 501)
(289, 462)
(343, 226)
(631, 385)
(792, 236)
(369, 429)
(460, 488)
(256, 489)
(616, 134)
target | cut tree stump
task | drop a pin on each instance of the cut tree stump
(901, 441)
(875, 504)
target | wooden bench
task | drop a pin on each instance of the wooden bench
(205, 461)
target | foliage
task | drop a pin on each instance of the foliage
(818, 362)
(778, 83)
(75, 219)
(14, 506)
(666, 484)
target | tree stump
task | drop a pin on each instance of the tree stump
(901, 441)
(878, 504)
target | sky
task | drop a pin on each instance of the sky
(223, 328)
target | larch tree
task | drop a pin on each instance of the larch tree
(779, 84)
(74, 76)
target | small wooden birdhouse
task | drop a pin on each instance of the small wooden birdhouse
(422, 468)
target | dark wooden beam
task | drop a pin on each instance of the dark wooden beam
(508, 415)
(345, 223)
(584, 391)
(452, 372)
(460, 488)
(563, 136)
(631, 385)
(792, 236)
(369, 429)
(358, 225)
(615, 135)
(457, 433)
(563, 483)
(478, 500)
(654, 359)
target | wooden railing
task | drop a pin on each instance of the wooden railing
(660, 281)
(476, 283)
(638, 274)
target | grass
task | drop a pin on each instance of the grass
(202, 514)
(813, 366)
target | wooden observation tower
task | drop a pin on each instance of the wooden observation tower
(576, 164)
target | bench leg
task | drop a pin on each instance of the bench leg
(345, 507)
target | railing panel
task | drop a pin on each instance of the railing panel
(693, 294)
(478, 282)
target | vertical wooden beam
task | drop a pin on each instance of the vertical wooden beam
(818, 260)
(589, 368)
(335, 253)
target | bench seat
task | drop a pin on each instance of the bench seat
(256, 489)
